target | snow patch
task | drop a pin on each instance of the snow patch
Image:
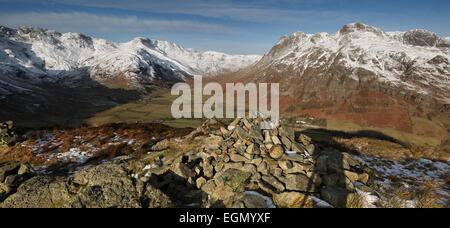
(74, 155)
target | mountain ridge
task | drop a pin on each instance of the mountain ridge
(362, 75)
(40, 53)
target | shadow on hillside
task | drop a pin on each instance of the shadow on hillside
(62, 106)
(331, 165)
(66, 98)
(325, 136)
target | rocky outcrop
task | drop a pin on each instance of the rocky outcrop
(421, 37)
(103, 186)
(7, 134)
(11, 176)
(234, 166)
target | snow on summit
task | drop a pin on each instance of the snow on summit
(40, 54)
(416, 60)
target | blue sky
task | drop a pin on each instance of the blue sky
(231, 26)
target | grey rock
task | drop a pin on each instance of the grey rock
(249, 156)
(296, 168)
(252, 149)
(256, 161)
(250, 168)
(34, 193)
(8, 169)
(237, 158)
(234, 178)
(299, 182)
(262, 168)
(274, 182)
(421, 38)
(254, 201)
(162, 145)
(285, 164)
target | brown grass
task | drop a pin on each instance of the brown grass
(424, 196)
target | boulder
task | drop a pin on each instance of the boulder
(299, 182)
(293, 200)
(274, 182)
(296, 168)
(253, 149)
(237, 158)
(162, 145)
(234, 179)
(285, 164)
(262, 168)
(8, 169)
(8, 137)
(255, 200)
(276, 152)
(352, 176)
(363, 178)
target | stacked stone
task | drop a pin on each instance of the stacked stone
(7, 134)
(289, 168)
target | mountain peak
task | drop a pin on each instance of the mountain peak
(358, 27)
(421, 37)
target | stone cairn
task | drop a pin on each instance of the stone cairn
(7, 134)
(241, 165)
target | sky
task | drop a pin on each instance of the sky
(230, 26)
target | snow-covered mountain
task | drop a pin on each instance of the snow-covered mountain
(29, 55)
(416, 60)
(361, 74)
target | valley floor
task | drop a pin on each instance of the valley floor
(135, 141)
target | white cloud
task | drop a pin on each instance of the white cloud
(86, 22)
(261, 11)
